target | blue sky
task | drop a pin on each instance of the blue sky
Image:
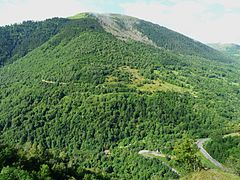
(203, 20)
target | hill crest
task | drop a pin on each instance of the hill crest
(131, 28)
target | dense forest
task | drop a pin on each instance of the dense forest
(226, 150)
(87, 102)
(19, 39)
(169, 39)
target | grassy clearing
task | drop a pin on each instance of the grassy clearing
(79, 16)
(148, 85)
(211, 174)
(206, 163)
(158, 85)
(233, 134)
(137, 77)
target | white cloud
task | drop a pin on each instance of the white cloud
(204, 20)
(197, 19)
(19, 10)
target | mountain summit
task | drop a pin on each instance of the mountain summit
(126, 27)
(121, 26)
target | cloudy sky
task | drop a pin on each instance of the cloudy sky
(203, 20)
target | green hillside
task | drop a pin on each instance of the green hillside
(169, 39)
(19, 39)
(132, 28)
(97, 98)
(229, 49)
(211, 174)
(226, 150)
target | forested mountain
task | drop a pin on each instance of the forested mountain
(230, 49)
(132, 28)
(97, 89)
(19, 39)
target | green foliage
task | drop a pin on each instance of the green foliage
(79, 16)
(186, 155)
(19, 39)
(10, 173)
(210, 174)
(229, 49)
(55, 164)
(34, 162)
(176, 42)
(234, 163)
(72, 97)
(7, 155)
(225, 149)
(44, 172)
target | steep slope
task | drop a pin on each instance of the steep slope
(125, 27)
(93, 119)
(101, 99)
(169, 39)
(19, 39)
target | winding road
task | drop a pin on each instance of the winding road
(200, 143)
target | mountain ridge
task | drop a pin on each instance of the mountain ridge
(156, 35)
(139, 26)
(121, 26)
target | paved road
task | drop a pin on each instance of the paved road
(200, 143)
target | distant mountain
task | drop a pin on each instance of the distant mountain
(81, 96)
(230, 49)
(126, 27)
(19, 39)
